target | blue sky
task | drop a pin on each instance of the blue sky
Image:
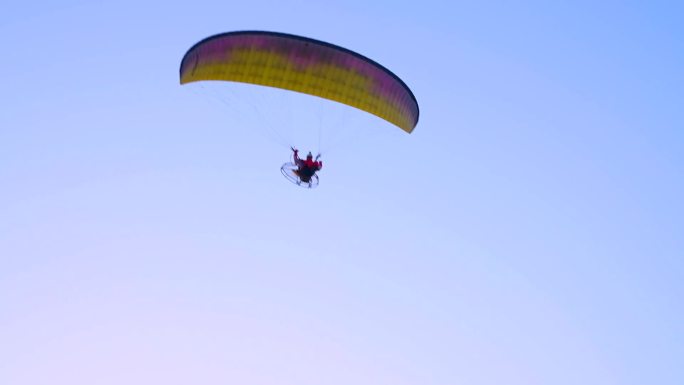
(529, 231)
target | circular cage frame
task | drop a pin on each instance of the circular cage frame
(289, 171)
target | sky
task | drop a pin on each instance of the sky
(529, 231)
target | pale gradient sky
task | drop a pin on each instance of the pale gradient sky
(528, 232)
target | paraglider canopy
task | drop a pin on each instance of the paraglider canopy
(304, 65)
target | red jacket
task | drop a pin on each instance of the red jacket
(313, 164)
(308, 163)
